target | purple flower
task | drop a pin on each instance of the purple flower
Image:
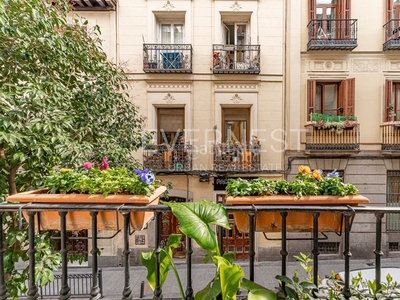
(146, 176)
(87, 165)
(333, 173)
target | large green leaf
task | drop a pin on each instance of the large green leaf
(256, 291)
(211, 291)
(148, 259)
(230, 276)
(195, 219)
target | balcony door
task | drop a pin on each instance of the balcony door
(326, 14)
(235, 125)
(171, 33)
(331, 98)
(170, 125)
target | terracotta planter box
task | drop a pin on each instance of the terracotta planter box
(295, 221)
(79, 220)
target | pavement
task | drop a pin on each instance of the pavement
(265, 272)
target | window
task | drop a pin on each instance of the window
(332, 18)
(329, 9)
(235, 125)
(393, 9)
(170, 125)
(392, 101)
(332, 98)
(171, 33)
(393, 200)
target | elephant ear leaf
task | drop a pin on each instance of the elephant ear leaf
(195, 219)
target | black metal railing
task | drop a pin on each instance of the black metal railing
(341, 138)
(392, 35)
(237, 157)
(347, 212)
(243, 59)
(333, 34)
(167, 58)
(163, 157)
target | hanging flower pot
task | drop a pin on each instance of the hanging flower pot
(95, 184)
(308, 188)
(79, 220)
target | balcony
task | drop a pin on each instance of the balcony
(231, 59)
(335, 34)
(236, 157)
(94, 5)
(390, 136)
(375, 214)
(344, 140)
(163, 157)
(392, 35)
(167, 58)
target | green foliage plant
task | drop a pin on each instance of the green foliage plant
(305, 183)
(197, 221)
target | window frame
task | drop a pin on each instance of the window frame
(170, 111)
(346, 96)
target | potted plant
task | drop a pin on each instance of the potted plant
(95, 184)
(307, 188)
(197, 221)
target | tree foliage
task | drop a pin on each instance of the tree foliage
(61, 100)
(61, 103)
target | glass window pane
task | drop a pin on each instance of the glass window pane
(330, 99)
(178, 34)
(235, 131)
(318, 98)
(166, 34)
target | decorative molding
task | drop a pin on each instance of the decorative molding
(169, 98)
(236, 99)
(168, 6)
(228, 87)
(394, 65)
(236, 6)
(327, 65)
(365, 65)
(168, 87)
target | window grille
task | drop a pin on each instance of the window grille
(394, 246)
(328, 247)
(393, 200)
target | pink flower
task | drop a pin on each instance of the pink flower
(87, 165)
(104, 164)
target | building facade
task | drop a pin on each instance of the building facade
(256, 88)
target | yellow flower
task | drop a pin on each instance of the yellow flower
(317, 175)
(304, 169)
(65, 170)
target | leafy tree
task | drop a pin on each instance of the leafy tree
(61, 103)
(61, 100)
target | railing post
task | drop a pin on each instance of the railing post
(189, 251)
(157, 291)
(284, 252)
(3, 288)
(127, 293)
(95, 293)
(252, 252)
(33, 289)
(378, 249)
(315, 247)
(65, 292)
(347, 254)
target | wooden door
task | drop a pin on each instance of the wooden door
(169, 224)
(234, 240)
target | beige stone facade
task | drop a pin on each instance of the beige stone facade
(275, 91)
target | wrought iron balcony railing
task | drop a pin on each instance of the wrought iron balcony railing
(244, 59)
(347, 138)
(163, 157)
(335, 34)
(167, 58)
(237, 157)
(374, 213)
(390, 136)
(94, 5)
(392, 35)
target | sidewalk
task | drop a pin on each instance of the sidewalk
(265, 272)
